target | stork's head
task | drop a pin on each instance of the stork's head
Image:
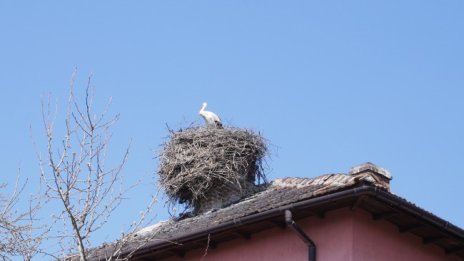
(203, 106)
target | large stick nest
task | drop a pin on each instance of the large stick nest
(198, 162)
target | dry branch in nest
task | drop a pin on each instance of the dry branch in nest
(200, 162)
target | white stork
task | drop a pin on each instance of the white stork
(211, 118)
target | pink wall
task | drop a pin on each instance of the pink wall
(341, 235)
(372, 241)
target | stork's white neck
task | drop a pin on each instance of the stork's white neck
(203, 107)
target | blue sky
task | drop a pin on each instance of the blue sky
(331, 84)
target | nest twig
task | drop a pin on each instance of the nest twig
(197, 162)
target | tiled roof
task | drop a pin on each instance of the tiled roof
(279, 192)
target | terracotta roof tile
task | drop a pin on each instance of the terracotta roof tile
(278, 193)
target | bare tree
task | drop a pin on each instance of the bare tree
(75, 173)
(18, 235)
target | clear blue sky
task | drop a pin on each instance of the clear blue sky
(331, 84)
